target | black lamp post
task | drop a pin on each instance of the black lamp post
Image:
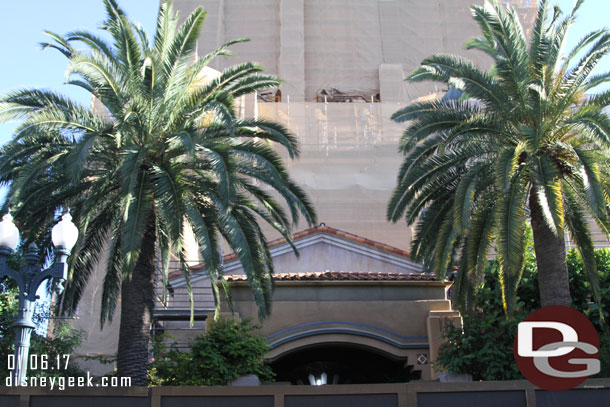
(30, 277)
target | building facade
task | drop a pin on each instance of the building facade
(343, 64)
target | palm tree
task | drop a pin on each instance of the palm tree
(523, 141)
(165, 154)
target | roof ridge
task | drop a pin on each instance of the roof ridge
(343, 275)
(322, 227)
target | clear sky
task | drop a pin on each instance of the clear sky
(22, 23)
(22, 26)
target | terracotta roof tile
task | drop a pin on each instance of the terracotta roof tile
(322, 228)
(343, 275)
(346, 235)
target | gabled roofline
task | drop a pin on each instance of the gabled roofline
(327, 234)
(322, 228)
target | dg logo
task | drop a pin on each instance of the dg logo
(557, 348)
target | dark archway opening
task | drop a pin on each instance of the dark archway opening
(341, 364)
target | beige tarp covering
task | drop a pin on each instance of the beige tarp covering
(349, 155)
(348, 163)
(319, 44)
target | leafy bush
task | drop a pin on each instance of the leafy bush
(484, 348)
(227, 351)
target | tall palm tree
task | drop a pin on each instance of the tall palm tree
(165, 154)
(524, 141)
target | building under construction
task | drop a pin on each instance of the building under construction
(354, 294)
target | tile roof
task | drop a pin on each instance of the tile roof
(342, 275)
(321, 228)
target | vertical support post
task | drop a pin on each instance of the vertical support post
(23, 330)
(291, 60)
(436, 325)
(530, 397)
(24, 400)
(409, 397)
(410, 400)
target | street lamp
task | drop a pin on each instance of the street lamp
(30, 277)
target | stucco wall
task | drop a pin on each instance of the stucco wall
(386, 316)
(318, 252)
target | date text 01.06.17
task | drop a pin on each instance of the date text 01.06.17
(42, 362)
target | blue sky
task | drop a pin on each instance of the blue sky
(22, 24)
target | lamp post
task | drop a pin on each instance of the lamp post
(30, 277)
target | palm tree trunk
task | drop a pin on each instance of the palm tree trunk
(553, 282)
(137, 303)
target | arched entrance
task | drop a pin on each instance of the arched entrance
(339, 363)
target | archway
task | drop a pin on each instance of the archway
(339, 363)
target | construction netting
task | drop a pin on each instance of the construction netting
(343, 51)
(318, 45)
(348, 164)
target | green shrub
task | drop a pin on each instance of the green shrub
(227, 351)
(484, 348)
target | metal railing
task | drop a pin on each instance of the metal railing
(173, 304)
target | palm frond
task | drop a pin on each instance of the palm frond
(511, 219)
